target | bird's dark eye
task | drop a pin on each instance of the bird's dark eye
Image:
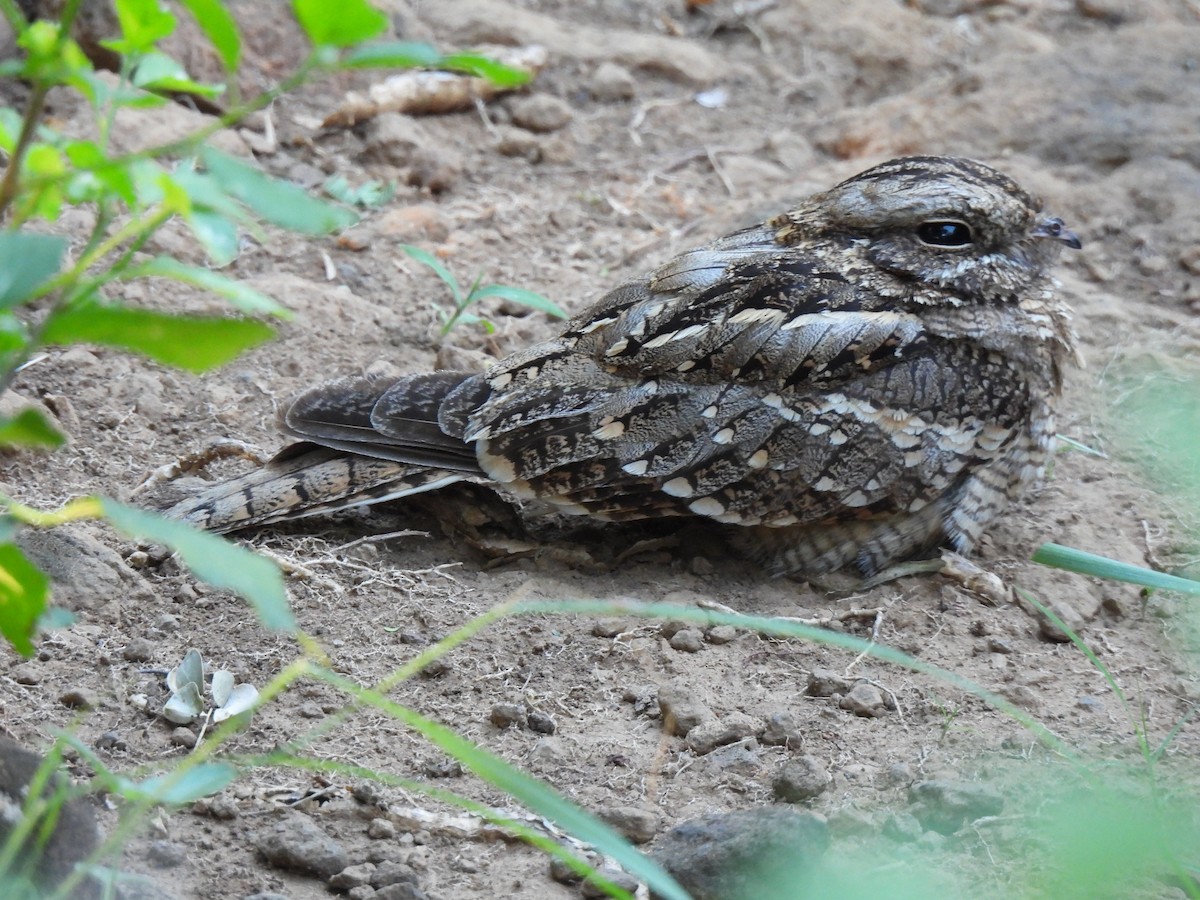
(944, 233)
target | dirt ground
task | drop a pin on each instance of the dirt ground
(651, 130)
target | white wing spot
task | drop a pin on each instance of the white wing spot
(609, 430)
(708, 506)
(724, 436)
(758, 459)
(500, 381)
(637, 467)
(618, 348)
(678, 487)
(709, 412)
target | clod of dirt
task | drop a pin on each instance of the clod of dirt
(611, 83)
(638, 824)
(824, 683)
(542, 723)
(800, 779)
(865, 700)
(297, 843)
(713, 733)
(687, 640)
(72, 838)
(783, 729)
(725, 854)
(506, 715)
(681, 711)
(390, 872)
(945, 806)
(352, 877)
(518, 143)
(540, 113)
(721, 634)
(166, 854)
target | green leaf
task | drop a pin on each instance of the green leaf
(338, 24)
(392, 55)
(172, 789)
(23, 593)
(195, 343)
(276, 201)
(212, 559)
(1072, 560)
(220, 28)
(27, 260)
(216, 234)
(10, 128)
(158, 72)
(143, 22)
(236, 292)
(29, 428)
(483, 67)
(428, 259)
(522, 296)
(12, 334)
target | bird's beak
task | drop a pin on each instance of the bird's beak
(1053, 227)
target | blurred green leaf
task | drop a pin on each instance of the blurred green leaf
(143, 22)
(520, 295)
(195, 343)
(236, 292)
(483, 67)
(202, 780)
(29, 428)
(276, 201)
(391, 55)
(1072, 560)
(367, 195)
(339, 24)
(158, 72)
(212, 559)
(10, 128)
(220, 28)
(23, 594)
(27, 260)
(216, 234)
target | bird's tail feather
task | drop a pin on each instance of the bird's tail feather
(306, 480)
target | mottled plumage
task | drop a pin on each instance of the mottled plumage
(851, 383)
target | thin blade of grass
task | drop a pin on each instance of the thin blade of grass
(1072, 560)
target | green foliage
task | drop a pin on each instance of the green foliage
(23, 594)
(463, 300)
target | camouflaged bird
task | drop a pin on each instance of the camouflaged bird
(857, 381)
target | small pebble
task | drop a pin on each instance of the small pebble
(352, 877)
(800, 779)
(166, 854)
(638, 824)
(689, 640)
(540, 113)
(391, 872)
(722, 634)
(782, 729)
(381, 829)
(713, 733)
(864, 700)
(542, 723)
(621, 879)
(138, 650)
(79, 698)
(506, 715)
(826, 683)
(611, 83)
(681, 710)
(183, 737)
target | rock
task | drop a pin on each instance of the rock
(381, 830)
(79, 698)
(722, 855)
(741, 758)
(542, 723)
(800, 779)
(411, 222)
(609, 628)
(864, 700)
(518, 143)
(722, 634)
(401, 891)
(296, 843)
(391, 872)
(681, 711)
(86, 574)
(827, 683)
(72, 838)
(611, 83)
(26, 674)
(621, 879)
(687, 640)
(713, 733)
(540, 113)
(563, 873)
(945, 806)
(352, 877)
(183, 737)
(781, 729)
(166, 854)
(902, 827)
(138, 650)
(506, 715)
(637, 824)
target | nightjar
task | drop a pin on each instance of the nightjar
(852, 383)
